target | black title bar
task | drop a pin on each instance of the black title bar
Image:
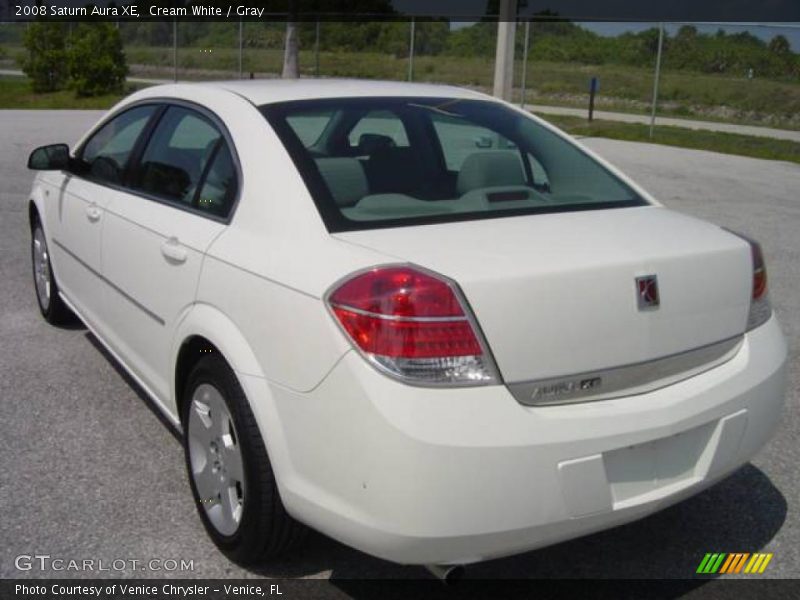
(729, 11)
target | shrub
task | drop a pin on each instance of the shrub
(45, 64)
(96, 60)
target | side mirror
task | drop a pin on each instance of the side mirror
(54, 157)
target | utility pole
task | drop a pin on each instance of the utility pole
(291, 51)
(504, 54)
(291, 67)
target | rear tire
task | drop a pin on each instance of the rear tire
(230, 474)
(50, 303)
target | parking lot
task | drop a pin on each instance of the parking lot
(90, 471)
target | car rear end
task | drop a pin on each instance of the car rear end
(542, 354)
(458, 475)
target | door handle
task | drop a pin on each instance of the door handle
(93, 213)
(173, 250)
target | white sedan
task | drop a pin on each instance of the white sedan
(414, 318)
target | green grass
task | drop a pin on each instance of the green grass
(16, 92)
(726, 143)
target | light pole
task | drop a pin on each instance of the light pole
(316, 52)
(525, 63)
(411, 50)
(241, 48)
(657, 77)
(175, 49)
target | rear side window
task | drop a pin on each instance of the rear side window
(187, 161)
(219, 186)
(309, 126)
(106, 154)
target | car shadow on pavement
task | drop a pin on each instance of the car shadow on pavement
(72, 323)
(742, 513)
(148, 402)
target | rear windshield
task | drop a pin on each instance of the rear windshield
(389, 162)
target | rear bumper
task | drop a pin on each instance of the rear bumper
(418, 475)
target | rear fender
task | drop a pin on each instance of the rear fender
(210, 323)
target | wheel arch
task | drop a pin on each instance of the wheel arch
(204, 329)
(33, 214)
(35, 206)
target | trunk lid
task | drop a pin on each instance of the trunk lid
(556, 294)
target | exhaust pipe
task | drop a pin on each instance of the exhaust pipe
(448, 574)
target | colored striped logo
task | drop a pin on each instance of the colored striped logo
(735, 562)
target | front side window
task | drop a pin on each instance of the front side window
(106, 154)
(388, 162)
(188, 161)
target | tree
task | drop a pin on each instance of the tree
(96, 61)
(45, 65)
(687, 33)
(780, 45)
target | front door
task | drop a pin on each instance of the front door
(77, 222)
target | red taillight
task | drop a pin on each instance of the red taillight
(412, 324)
(398, 292)
(760, 307)
(408, 339)
(759, 271)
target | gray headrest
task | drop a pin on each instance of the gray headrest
(492, 168)
(369, 143)
(345, 179)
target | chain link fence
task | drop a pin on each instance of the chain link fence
(722, 72)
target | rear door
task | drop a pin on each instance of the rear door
(181, 192)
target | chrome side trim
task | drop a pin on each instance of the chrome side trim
(375, 315)
(627, 380)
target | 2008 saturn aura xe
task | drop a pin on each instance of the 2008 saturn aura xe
(412, 317)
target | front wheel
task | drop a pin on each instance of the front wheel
(229, 470)
(51, 305)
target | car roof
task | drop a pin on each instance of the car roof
(269, 91)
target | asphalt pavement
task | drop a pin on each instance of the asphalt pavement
(89, 471)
